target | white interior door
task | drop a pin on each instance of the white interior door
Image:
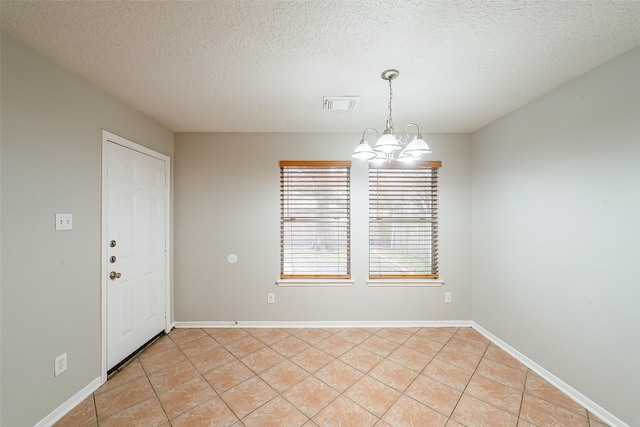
(136, 265)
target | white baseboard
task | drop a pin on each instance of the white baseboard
(71, 403)
(581, 399)
(327, 324)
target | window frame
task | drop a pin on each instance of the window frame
(427, 277)
(337, 278)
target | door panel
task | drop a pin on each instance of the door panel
(136, 212)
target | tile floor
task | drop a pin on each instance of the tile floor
(352, 377)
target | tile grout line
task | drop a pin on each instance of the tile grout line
(465, 387)
(219, 395)
(419, 373)
(313, 375)
(526, 378)
(154, 389)
(200, 374)
(353, 345)
(364, 374)
(340, 394)
(471, 377)
(95, 407)
(524, 392)
(257, 375)
(407, 388)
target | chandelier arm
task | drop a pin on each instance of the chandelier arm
(368, 129)
(411, 124)
(403, 138)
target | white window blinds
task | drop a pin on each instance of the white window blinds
(403, 220)
(314, 221)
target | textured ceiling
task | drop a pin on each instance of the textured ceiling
(264, 66)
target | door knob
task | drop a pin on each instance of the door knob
(113, 275)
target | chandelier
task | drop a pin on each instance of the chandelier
(403, 146)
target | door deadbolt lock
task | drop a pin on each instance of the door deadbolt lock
(113, 275)
(112, 259)
(112, 244)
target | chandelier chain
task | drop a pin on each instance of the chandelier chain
(390, 109)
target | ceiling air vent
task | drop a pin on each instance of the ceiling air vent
(340, 103)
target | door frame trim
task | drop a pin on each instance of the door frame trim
(110, 138)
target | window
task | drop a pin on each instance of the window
(314, 220)
(403, 220)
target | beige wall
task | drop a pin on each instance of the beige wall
(51, 161)
(227, 201)
(543, 280)
(556, 233)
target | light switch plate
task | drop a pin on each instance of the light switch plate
(64, 221)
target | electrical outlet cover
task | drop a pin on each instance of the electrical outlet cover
(60, 364)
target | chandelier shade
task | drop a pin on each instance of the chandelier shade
(363, 151)
(387, 143)
(417, 147)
